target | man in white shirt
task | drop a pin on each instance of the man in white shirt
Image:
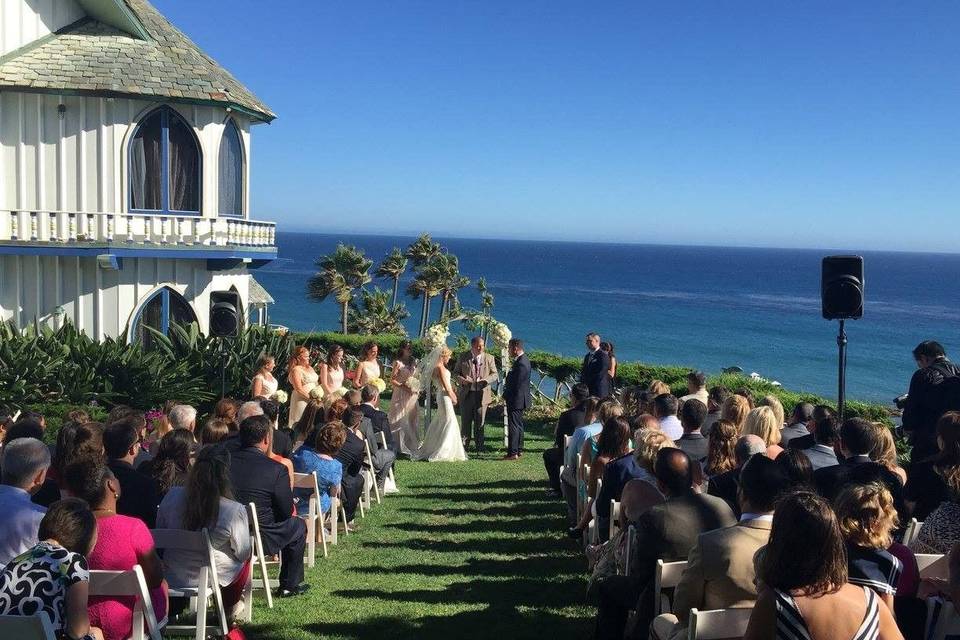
(696, 387)
(25, 464)
(665, 411)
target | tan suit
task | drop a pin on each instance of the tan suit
(719, 575)
(475, 395)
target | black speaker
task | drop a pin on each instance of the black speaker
(841, 287)
(224, 313)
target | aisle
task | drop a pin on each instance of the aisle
(468, 550)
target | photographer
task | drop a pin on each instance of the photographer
(925, 402)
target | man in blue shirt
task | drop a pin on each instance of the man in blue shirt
(25, 464)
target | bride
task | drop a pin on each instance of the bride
(442, 440)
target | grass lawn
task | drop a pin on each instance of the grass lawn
(466, 550)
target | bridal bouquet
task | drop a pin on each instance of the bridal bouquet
(316, 393)
(280, 396)
(437, 334)
(500, 334)
(378, 383)
(413, 383)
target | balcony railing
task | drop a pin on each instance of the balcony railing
(133, 229)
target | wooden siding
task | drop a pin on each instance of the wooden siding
(24, 21)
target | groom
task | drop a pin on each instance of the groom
(475, 370)
(516, 393)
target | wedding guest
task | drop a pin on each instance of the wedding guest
(803, 570)
(797, 467)
(666, 532)
(370, 406)
(282, 443)
(825, 436)
(303, 379)
(206, 502)
(331, 371)
(258, 479)
(715, 399)
(720, 448)
(665, 410)
(696, 388)
(183, 416)
(747, 395)
(774, 403)
(23, 429)
(820, 412)
(720, 572)
(25, 465)
(802, 414)
(276, 457)
(352, 456)
(226, 409)
(614, 442)
(367, 368)
(122, 542)
(692, 415)
(337, 410)
(383, 458)
(516, 395)
(924, 406)
(214, 431)
(657, 388)
(867, 519)
(595, 372)
(172, 463)
(404, 414)
(885, 452)
(138, 492)
(735, 409)
(857, 439)
(607, 347)
(475, 371)
(632, 399)
(264, 385)
(609, 408)
(569, 420)
(568, 479)
(311, 419)
(52, 576)
(319, 456)
(74, 441)
(158, 426)
(762, 422)
(247, 409)
(936, 479)
(725, 485)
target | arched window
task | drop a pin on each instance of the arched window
(164, 165)
(230, 167)
(158, 312)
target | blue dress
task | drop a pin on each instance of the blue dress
(329, 473)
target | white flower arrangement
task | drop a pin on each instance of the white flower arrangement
(281, 396)
(413, 383)
(500, 334)
(437, 334)
(316, 393)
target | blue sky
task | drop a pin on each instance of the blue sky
(809, 124)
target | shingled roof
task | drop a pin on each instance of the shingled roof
(94, 58)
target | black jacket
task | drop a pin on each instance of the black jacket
(516, 389)
(924, 406)
(569, 421)
(258, 479)
(352, 454)
(139, 494)
(381, 424)
(595, 373)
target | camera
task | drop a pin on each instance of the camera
(900, 401)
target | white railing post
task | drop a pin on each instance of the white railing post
(14, 225)
(72, 226)
(33, 226)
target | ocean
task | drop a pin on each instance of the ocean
(703, 307)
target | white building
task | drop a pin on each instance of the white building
(124, 170)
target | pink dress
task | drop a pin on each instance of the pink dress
(120, 539)
(404, 414)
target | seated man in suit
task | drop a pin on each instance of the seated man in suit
(370, 399)
(139, 494)
(569, 421)
(725, 485)
(383, 458)
(720, 571)
(693, 413)
(797, 427)
(823, 452)
(666, 532)
(819, 412)
(857, 440)
(351, 456)
(258, 479)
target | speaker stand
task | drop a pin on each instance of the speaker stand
(842, 373)
(223, 368)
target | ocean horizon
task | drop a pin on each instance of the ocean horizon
(698, 306)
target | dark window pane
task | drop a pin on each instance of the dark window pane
(146, 165)
(184, 167)
(151, 316)
(180, 311)
(231, 172)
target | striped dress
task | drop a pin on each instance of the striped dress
(790, 624)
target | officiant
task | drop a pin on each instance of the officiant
(474, 372)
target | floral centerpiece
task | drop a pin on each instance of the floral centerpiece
(280, 396)
(437, 334)
(500, 334)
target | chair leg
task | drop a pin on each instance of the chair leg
(323, 535)
(262, 561)
(334, 513)
(202, 597)
(311, 540)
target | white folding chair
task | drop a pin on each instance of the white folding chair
(314, 516)
(116, 584)
(259, 560)
(667, 577)
(207, 589)
(383, 441)
(614, 518)
(631, 541)
(912, 531)
(372, 472)
(933, 565)
(718, 624)
(36, 627)
(594, 526)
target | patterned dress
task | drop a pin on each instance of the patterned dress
(791, 625)
(38, 580)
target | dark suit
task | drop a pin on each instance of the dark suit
(383, 458)
(724, 486)
(351, 455)
(381, 424)
(667, 532)
(553, 457)
(139, 495)
(596, 373)
(516, 393)
(258, 479)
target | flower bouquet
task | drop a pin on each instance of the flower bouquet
(378, 383)
(280, 396)
(500, 334)
(316, 393)
(413, 383)
(437, 334)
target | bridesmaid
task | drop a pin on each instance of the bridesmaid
(404, 413)
(303, 379)
(264, 384)
(331, 371)
(367, 368)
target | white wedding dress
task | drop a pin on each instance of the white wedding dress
(442, 440)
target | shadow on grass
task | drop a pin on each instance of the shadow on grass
(453, 510)
(544, 567)
(506, 546)
(518, 525)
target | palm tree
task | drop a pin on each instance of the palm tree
(426, 284)
(422, 250)
(452, 281)
(393, 267)
(375, 314)
(340, 273)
